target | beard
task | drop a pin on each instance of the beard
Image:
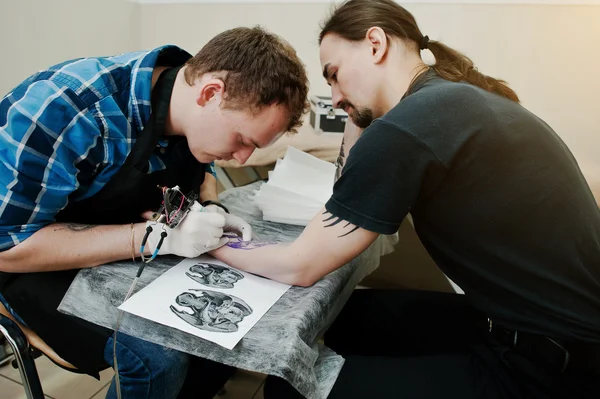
(361, 116)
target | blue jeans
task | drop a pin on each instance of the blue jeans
(150, 371)
(146, 370)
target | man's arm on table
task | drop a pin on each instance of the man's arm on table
(63, 246)
(326, 244)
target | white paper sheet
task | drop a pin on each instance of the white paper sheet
(298, 187)
(207, 298)
(304, 174)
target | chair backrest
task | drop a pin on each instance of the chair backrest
(37, 342)
(23, 358)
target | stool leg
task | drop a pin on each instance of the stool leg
(20, 347)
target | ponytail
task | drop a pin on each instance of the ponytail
(454, 66)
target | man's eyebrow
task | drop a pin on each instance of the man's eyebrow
(326, 71)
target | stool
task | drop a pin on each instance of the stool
(26, 346)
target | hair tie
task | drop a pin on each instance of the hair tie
(424, 42)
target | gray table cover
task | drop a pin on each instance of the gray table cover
(284, 342)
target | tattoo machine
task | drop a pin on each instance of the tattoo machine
(174, 208)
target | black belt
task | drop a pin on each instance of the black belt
(549, 352)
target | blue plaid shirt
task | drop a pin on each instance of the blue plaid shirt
(64, 133)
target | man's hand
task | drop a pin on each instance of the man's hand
(233, 224)
(198, 233)
(239, 226)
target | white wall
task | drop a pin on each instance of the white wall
(547, 53)
(35, 34)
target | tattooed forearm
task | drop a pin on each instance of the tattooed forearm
(238, 243)
(75, 226)
(336, 220)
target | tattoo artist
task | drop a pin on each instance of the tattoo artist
(84, 145)
(497, 199)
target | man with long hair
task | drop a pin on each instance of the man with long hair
(497, 199)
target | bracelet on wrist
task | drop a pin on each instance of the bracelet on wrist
(207, 203)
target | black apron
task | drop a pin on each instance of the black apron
(36, 296)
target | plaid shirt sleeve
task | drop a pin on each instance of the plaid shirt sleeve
(210, 168)
(45, 133)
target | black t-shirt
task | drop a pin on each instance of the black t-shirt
(496, 197)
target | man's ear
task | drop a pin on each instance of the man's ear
(210, 90)
(378, 43)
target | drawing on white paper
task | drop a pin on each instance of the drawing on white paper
(211, 310)
(196, 296)
(213, 275)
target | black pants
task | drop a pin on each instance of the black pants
(419, 344)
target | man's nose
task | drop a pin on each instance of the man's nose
(242, 155)
(336, 97)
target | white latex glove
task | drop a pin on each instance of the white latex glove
(215, 209)
(198, 233)
(233, 224)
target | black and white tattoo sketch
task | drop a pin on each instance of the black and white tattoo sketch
(211, 310)
(213, 275)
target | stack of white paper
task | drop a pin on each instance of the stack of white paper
(298, 187)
